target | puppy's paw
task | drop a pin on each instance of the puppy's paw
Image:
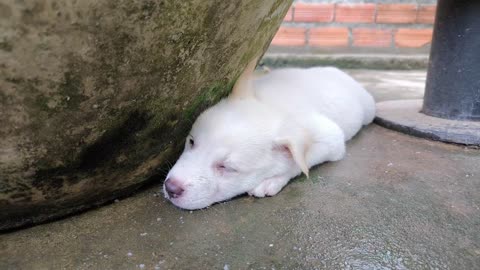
(257, 192)
(260, 191)
(269, 187)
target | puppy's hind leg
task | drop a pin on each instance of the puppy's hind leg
(270, 186)
(329, 141)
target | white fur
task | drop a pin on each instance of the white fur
(269, 131)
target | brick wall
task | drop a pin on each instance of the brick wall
(367, 26)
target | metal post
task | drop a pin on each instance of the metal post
(453, 81)
(450, 110)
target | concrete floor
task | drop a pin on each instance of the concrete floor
(395, 202)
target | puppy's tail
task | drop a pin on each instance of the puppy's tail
(243, 86)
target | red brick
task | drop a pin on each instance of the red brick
(396, 13)
(357, 13)
(313, 12)
(366, 37)
(289, 15)
(413, 38)
(329, 37)
(426, 14)
(290, 36)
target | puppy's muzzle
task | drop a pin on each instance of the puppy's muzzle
(173, 188)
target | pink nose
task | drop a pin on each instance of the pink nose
(173, 189)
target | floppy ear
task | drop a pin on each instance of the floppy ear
(297, 144)
(243, 85)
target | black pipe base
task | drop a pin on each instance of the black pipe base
(405, 116)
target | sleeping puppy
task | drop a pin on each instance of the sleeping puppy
(269, 130)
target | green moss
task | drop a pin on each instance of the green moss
(43, 47)
(3, 98)
(138, 133)
(35, 100)
(41, 103)
(71, 89)
(6, 46)
(120, 138)
(207, 98)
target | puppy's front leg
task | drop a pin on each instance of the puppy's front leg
(270, 186)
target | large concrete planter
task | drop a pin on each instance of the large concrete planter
(96, 96)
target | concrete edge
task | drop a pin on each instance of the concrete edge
(347, 61)
(405, 116)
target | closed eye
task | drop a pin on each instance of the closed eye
(224, 168)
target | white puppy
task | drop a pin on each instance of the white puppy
(269, 130)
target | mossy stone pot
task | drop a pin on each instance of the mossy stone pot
(96, 97)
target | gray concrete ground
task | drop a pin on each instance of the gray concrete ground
(395, 202)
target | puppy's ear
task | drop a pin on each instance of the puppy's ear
(296, 144)
(243, 85)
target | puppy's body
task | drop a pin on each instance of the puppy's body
(268, 131)
(323, 91)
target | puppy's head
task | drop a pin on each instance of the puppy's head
(232, 148)
(229, 151)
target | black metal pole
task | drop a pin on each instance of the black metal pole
(453, 81)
